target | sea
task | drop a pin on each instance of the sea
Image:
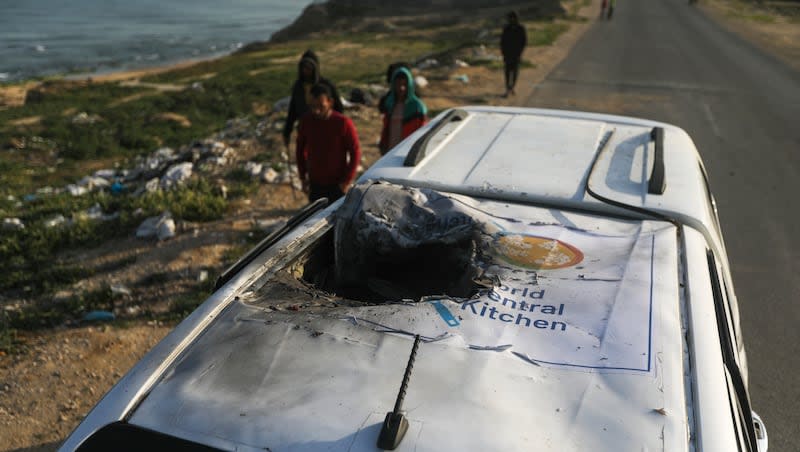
(40, 38)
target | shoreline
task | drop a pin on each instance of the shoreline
(132, 70)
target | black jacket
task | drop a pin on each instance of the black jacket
(513, 41)
(297, 105)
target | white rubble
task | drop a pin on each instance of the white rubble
(120, 289)
(166, 230)
(76, 190)
(428, 63)
(162, 227)
(107, 174)
(55, 221)
(253, 168)
(13, 224)
(176, 175)
(269, 175)
(92, 182)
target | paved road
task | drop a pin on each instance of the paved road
(665, 60)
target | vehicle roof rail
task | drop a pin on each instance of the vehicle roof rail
(301, 216)
(418, 149)
(657, 183)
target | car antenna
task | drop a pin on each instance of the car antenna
(395, 425)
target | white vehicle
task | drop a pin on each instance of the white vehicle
(503, 280)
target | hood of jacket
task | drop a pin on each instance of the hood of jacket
(413, 105)
(309, 57)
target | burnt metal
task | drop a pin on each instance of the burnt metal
(270, 240)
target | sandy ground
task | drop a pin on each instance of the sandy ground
(776, 34)
(46, 391)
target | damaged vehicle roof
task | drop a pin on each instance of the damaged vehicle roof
(545, 318)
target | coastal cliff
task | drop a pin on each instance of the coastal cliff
(360, 15)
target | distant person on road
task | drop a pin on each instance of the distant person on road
(328, 151)
(611, 4)
(404, 112)
(389, 74)
(308, 75)
(603, 6)
(512, 43)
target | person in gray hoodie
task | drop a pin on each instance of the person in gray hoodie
(308, 75)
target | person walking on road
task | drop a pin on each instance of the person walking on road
(327, 149)
(603, 6)
(404, 112)
(512, 43)
(611, 4)
(308, 70)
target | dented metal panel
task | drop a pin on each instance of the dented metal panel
(593, 359)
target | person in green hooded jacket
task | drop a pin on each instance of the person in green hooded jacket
(404, 111)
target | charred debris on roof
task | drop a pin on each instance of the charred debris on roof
(389, 244)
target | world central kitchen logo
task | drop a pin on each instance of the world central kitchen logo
(526, 308)
(534, 252)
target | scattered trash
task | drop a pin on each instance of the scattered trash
(463, 78)
(119, 289)
(165, 154)
(197, 86)
(95, 212)
(217, 160)
(98, 316)
(44, 191)
(30, 197)
(151, 185)
(84, 118)
(359, 96)
(482, 54)
(281, 104)
(152, 227)
(107, 174)
(287, 175)
(13, 224)
(428, 63)
(269, 176)
(461, 63)
(117, 187)
(222, 190)
(253, 168)
(55, 221)
(166, 229)
(76, 190)
(202, 276)
(420, 82)
(176, 175)
(92, 182)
